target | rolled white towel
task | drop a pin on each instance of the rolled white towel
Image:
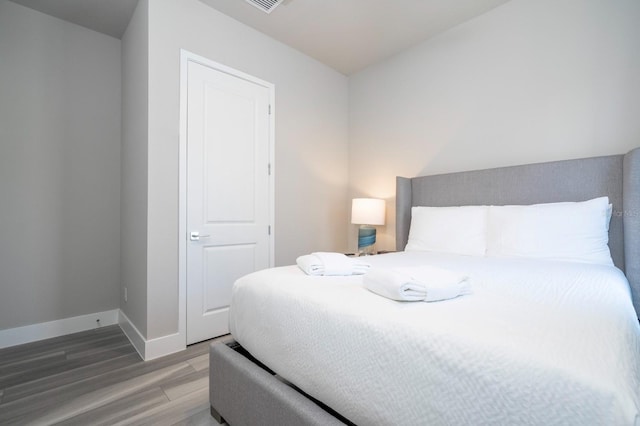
(420, 283)
(326, 263)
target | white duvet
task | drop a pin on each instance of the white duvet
(537, 343)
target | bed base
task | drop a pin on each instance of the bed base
(242, 391)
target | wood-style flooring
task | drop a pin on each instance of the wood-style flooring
(97, 378)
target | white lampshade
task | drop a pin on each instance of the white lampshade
(367, 211)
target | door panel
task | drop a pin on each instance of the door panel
(228, 138)
(229, 153)
(228, 263)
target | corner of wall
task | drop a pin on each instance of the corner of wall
(134, 172)
(153, 348)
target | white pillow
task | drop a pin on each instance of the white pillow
(576, 232)
(457, 230)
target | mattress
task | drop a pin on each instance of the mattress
(538, 342)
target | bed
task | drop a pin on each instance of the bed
(539, 342)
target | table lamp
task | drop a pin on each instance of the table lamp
(367, 212)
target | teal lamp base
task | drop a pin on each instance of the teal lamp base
(366, 240)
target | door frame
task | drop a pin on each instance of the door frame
(185, 58)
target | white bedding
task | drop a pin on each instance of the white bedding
(538, 342)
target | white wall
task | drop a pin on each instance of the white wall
(59, 168)
(530, 81)
(134, 183)
(310, 147)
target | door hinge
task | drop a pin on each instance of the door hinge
(269, 229)
(269, 168)
(269, 109)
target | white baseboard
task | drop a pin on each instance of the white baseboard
(165, 345)
(153, 348)
(133, 334)
(46, 330)
(148, 349)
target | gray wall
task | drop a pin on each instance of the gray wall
(135, 135)
(59, 168)
(529, 81)
(310, 144)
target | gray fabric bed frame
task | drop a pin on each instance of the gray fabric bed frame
(245, 393)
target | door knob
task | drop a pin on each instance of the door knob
(195, 236)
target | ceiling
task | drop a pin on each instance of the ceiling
(347, 35)
(109, 17)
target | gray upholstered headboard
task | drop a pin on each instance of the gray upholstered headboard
(617, 176)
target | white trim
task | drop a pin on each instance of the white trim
(165, 345)
(185, 57)
(272, 175)
(182, 200)
(47, 330)
(154, 348)
(133, 334)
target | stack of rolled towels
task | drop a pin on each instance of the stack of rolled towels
(420, 283)
(408, 284)
(327, 263)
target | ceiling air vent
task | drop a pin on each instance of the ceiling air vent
(266, 6)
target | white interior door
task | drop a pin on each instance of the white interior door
(228, 192)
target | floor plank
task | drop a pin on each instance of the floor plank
(97, 378)
(58, 365)
(193, 382)
(103, 396)
(200, 363)
(57, 343)
(119, 410)
(179, 410)
(52, 382)
(201, 418)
